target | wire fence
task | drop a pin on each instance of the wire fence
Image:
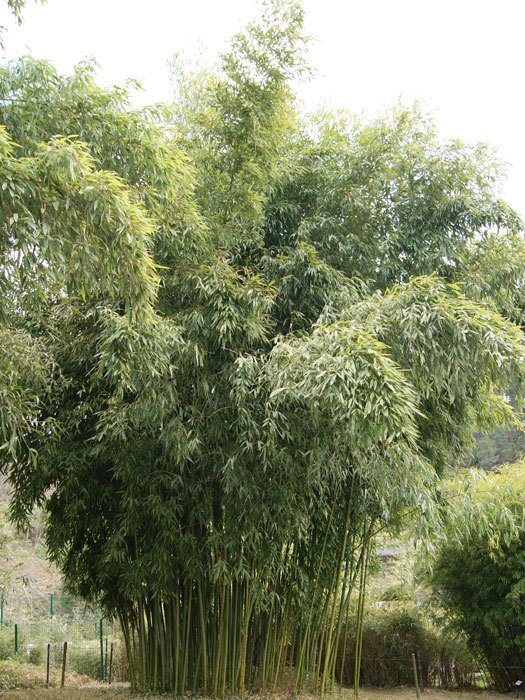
(70, 638)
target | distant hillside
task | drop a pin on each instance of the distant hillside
(26, 577)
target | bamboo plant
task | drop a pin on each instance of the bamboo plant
(223, 376)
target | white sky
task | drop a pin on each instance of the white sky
(463, 58)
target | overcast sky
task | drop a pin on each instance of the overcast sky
(464, 59)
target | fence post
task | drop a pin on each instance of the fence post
(1, 610)
(64, 657)
(420, 670)
(51, 605)
(416, 680)
(101, 632)
(48, 667)
(16, 639)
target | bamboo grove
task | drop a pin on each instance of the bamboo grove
(239, 342)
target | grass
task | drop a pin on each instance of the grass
(19, 681)
(106, 693)
(68, 694)
(410, 694)
(22, 677)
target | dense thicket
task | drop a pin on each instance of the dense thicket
(479, 568)
(223, 377)
(391, 634)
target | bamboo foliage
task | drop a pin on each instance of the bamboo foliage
(215, 409)
(477, 566)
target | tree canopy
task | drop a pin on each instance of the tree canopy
(241, 340)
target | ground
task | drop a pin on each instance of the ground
(105, 693)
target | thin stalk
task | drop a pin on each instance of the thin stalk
(299, 675)
(187, 615)
(203, 644)
(360, 613)
(338, 573)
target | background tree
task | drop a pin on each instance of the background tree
(497, 447)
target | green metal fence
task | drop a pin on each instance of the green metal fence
(93, 648)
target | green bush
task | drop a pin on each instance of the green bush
(7, 649)
(479, 569)
(390, 636)
(84, 660)
(35, 656)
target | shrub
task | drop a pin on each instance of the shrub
(35, 656)
(479, 569)
(390, 636)
(84, 660)
(6, 644)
